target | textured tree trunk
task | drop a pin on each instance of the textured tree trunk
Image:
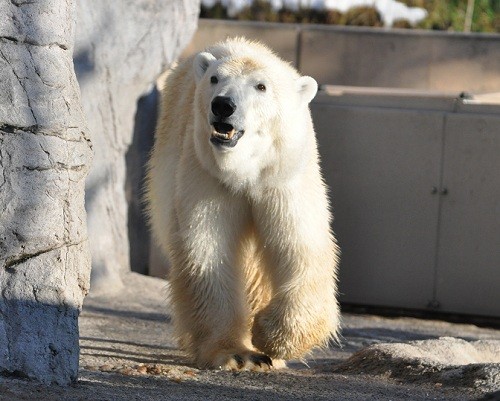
(45, 153)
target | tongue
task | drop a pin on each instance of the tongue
(224, 128)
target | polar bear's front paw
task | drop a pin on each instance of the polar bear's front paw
(243, 360)
(276, 339)
(288, 337)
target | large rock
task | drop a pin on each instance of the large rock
(121, 47)
(448, 360)
(44, 157)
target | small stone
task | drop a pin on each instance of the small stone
(154, 370)
(127, 371)
(106, 368)
(142, 370)
(190, 373)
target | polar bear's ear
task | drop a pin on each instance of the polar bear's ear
(307, 88)
(201, 63)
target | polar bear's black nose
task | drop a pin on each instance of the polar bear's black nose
(223, 106)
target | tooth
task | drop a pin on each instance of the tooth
(231, 133)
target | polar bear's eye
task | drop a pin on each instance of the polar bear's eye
(261, 87)
(214, 80)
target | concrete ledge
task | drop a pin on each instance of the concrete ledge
(373, 57)
(282, 38)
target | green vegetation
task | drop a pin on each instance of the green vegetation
(450, 14)
(442, 15)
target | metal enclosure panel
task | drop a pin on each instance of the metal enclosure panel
(468, 274)
(381, 165)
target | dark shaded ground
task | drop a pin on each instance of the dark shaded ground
(127, 354)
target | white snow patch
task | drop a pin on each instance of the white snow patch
(390, 10)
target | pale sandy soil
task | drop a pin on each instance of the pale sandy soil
(127, 353)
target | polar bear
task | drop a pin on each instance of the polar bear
(238, 204)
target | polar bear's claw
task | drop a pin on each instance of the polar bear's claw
(259, 359)
(239, 360)
(244, 360)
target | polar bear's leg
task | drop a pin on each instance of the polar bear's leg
(257, 284)
(301, 258)
(208, 293)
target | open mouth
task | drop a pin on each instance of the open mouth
(224, 134)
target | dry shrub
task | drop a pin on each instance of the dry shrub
(362, 16)
(402, 24)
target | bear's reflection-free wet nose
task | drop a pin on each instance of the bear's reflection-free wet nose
(223, 106)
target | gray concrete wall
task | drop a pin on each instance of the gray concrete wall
(120, 49)
(415, 188)
(373, 57)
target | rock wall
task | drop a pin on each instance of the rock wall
(121, 47)
(45, 154)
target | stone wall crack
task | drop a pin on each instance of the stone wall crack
(2, 166)
(13, 129)
(21, 84)
(58, 166)
(39, 130)
(29, 42)
(13, 261)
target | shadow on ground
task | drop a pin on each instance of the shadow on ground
(128, 353)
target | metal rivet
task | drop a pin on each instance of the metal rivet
(434, 304)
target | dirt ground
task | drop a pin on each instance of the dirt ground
(127, 353)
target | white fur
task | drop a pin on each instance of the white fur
(247, 228)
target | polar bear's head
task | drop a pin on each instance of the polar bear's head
(251, 110)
